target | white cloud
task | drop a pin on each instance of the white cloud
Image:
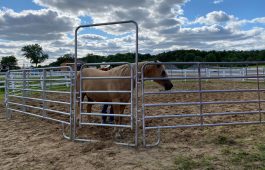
(215, 17)
(44, 24)
(218, 1)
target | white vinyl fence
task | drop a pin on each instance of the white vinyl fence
(62, 75)
(218, 72)
(2, 80)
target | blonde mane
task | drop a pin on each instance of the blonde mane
(124, 70)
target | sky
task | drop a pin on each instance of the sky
(164, 25)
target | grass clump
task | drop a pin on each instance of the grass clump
(187, 163)
(223, 140)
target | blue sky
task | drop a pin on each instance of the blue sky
(164, 25)
(243, 9)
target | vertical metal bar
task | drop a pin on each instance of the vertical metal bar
(143, 108)
(136, 83)
(80, 96)
(71, 104)
(132, 105)
(44, 93)
(258, 83)
(8, 112)
(75, 84)
(200, 92)
(24, 91)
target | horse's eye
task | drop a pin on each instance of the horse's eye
(163, 74)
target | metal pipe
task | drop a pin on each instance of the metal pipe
(204, 114)
(39, 116)
(108, 103)
(37, 99)
(204, 103)
(104, 114)
(203, 78)
(105, 91)
(96, 78)
(205, 125)
(46, 91)
(107, 125)
(200, 93)
(204, 91)
(258, 84)
(39, 108)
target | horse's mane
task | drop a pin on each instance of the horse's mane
(124, 70)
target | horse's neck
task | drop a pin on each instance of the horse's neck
(125, 70)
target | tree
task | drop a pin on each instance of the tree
(9, 62)
(34, 53)
(66, 58)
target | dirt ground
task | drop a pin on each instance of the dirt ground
(31, 143)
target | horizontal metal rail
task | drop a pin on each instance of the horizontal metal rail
(211, 63)
(39, 116)
(37, 99)
(34, 90)
(108, 103)
(203, 103)
(205, 125)
(61, 79)
(203, 115)
(103, 124)
(39, 108)
(114, 77)
(105, 91)
(203, 91)
(105, 114)
(202, 78)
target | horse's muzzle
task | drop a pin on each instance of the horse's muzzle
(168, 86)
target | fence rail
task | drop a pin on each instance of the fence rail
(200, 74)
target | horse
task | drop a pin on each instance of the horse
(150, 70)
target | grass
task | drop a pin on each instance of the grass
(224, 140)
(188, 162)
(246, 158)
(227, 157)
(2, 95)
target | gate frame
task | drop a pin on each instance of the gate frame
(135, 74)
(42, 79)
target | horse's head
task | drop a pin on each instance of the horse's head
(158, 70)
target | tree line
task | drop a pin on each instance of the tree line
(36, 56)
(172, 56)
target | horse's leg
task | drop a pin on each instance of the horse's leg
(121, 112)
(104, 110)
(78, 116)
(89, 108)
(122, 107)
(111, 118)
(116, 109)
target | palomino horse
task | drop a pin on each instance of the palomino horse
(150, 71)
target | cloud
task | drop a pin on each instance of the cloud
(218, 1)
(215, 17)
(156, 14)
(44, 24)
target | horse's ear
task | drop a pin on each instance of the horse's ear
(158, 65)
